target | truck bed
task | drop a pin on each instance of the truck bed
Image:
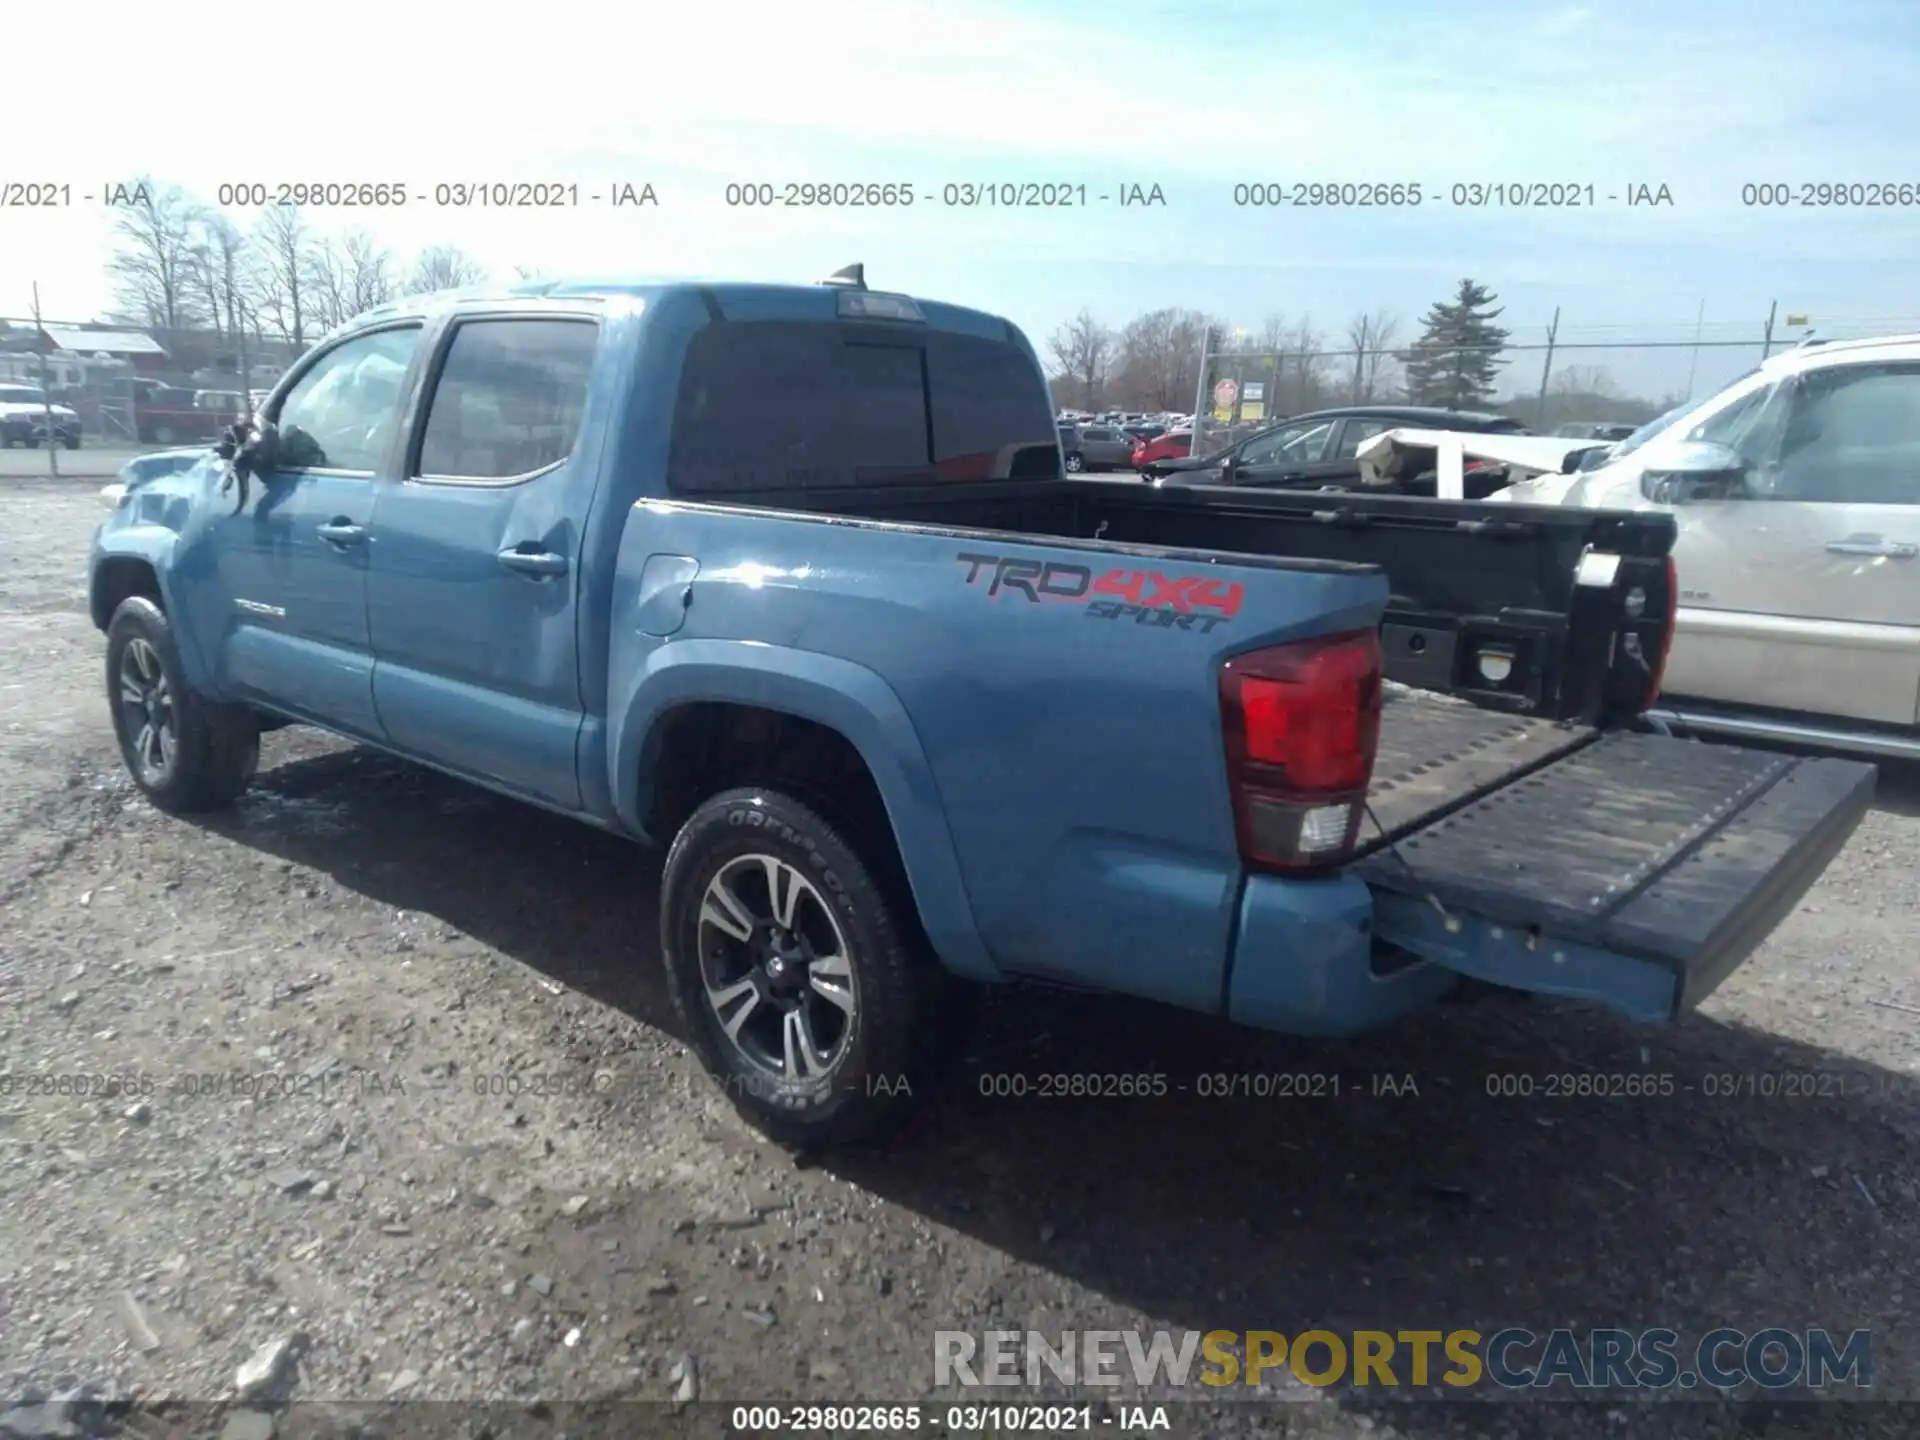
(1465, 576)
(1438, 753)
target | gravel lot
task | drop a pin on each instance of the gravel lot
(453, 1150)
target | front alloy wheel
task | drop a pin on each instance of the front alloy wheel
(774, 963)
(147, 707)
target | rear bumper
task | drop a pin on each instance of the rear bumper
(1637, 872)
(1303, 961)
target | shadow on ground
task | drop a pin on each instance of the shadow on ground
(1448, 1174)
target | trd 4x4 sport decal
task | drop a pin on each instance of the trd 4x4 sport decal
(1146, 597)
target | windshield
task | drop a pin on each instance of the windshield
(1660, 424)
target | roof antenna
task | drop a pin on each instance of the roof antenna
(854, 277)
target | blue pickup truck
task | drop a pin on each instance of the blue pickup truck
(789, 579)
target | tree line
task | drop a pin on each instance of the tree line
(1152, 363)
(180, 263)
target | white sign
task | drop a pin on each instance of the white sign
(1254, 392)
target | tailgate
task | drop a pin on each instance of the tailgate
(1637, 870)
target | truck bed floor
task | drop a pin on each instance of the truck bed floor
(1437, 754)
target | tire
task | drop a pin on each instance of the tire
(214, 748)
(1075, 464)
(163, 435)
(853, 1068)
(73, 442)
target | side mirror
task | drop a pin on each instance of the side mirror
(1582, 459)
(257, 449)
(1696, 472)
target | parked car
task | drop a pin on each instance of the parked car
(24, 413)
(1797, 494)
(1590, 430)
(170, 415)
(1169, 445)
(869, 704)
(1096, 447)
(1316, 451)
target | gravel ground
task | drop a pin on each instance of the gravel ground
(410, 1105)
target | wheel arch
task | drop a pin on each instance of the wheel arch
(694, 692)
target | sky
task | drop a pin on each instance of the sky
(1702, 99)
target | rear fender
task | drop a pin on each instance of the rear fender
(836, 693)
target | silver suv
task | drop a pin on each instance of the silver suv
(1797, 494)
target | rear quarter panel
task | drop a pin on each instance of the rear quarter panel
(1050, 754)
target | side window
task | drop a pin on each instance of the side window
(987, 399)
(1266, 449)
(1849, 435)
(1743, 425)
(509, 398)
(1357, 433)
(341, 413)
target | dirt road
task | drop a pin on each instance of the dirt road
(392, 1078)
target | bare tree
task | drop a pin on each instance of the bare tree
(444, 267)
(1083, 349)
(369, 272)
(220, 273)
(152, 262)
(1594, 380)
(1372, 338)
(1159, 363)
(327, 283)
(282, 249)
(1303, 366)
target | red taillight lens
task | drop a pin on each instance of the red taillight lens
(1301, 724)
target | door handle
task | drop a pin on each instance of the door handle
(342, 531)
(1888, 549)
(534, 562)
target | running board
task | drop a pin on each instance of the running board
(1790, 732)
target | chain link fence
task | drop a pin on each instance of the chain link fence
(1546, 376)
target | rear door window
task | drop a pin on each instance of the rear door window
(509, 399)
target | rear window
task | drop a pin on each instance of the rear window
(799, 405)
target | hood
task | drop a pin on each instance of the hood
(34, 407)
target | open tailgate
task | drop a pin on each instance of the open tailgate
(1637, 870)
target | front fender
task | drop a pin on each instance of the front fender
(150, 544)
(837, 693)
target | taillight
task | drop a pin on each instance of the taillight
(1301, 724)
(1659, 666)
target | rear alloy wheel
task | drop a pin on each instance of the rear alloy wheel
(1075, 464)
(798, 980)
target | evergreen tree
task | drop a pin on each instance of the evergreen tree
(1454, 361)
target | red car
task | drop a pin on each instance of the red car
(1173, 445)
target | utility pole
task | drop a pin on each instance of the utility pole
(46, 391)
(1766, 346)
(1200, 390)
(1693, 366)
(1546, 368)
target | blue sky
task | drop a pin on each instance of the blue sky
(1700, 97)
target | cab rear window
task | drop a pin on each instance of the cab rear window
(773, 405)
